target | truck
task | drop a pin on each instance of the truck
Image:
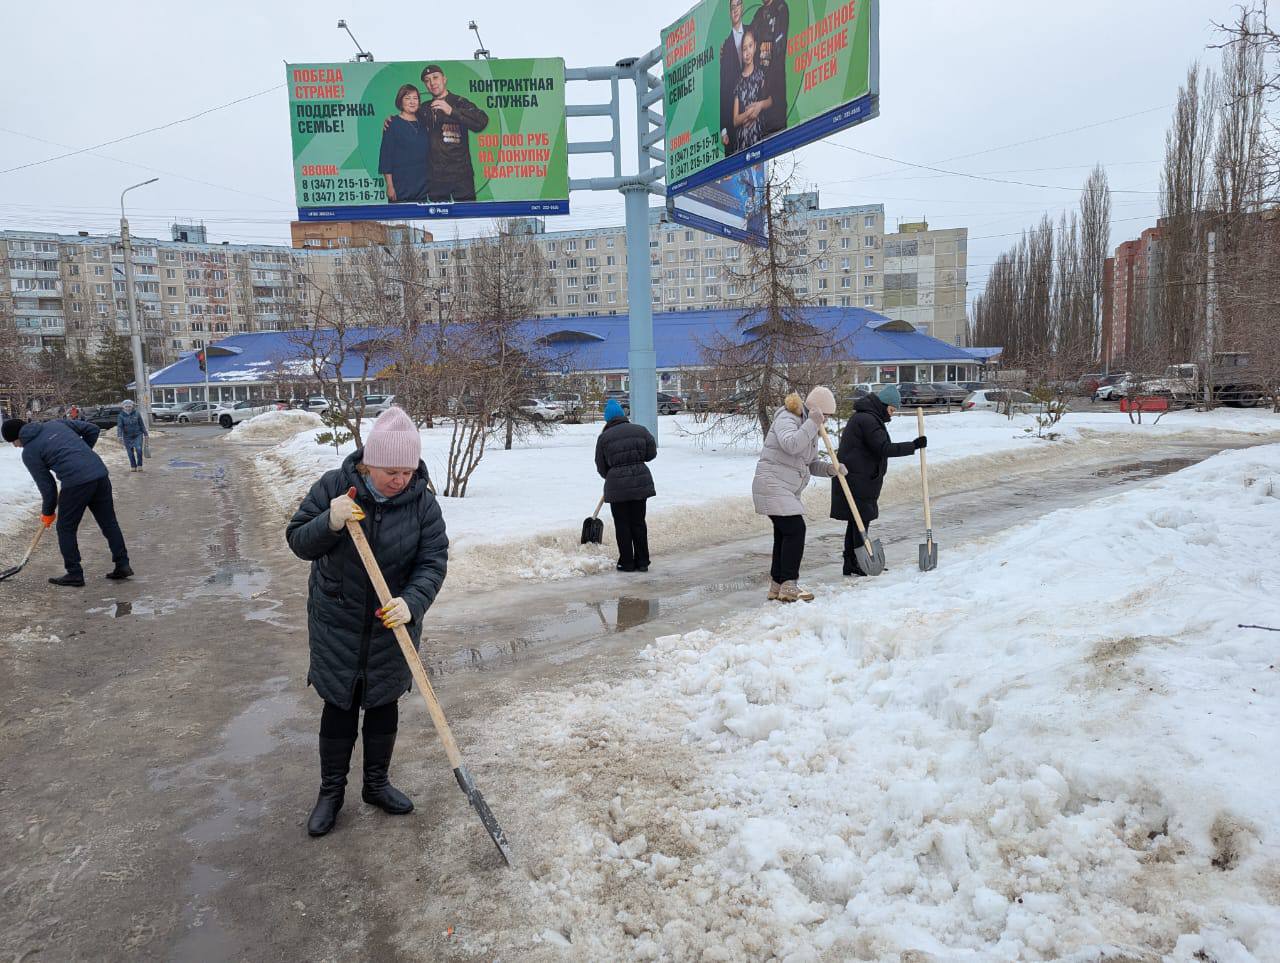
(1235, 382)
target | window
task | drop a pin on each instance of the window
(688, 236)
(613, 297)
(571, 282)
(869, 220)
(571, 299)
(442, 257)
(733, 253)
(868, 241)
(690, 274)
(824, 265)
(844, 243)
(710, 273)
(868, 280)
(570, 245)
(571, 264)
(844, 302)
(868, 300)
(171, 291)
(591, 262)
(822, 244)
(101, 309)
(844, 282)
(100, 290)
(822, 284)
(610, 260)
(690, 294)
(593, 299)
(99, 271)
(868, 260)
(690, 255)
(673, 294)
(823, 224)
(712, 291)
(846, 223)
(671, 256)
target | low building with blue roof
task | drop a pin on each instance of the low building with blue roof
(273, 364)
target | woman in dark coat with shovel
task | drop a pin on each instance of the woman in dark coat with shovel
(865, 450)
(355, 659)
(622, 450)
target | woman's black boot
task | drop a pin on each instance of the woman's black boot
(335, 760)
(378, 790)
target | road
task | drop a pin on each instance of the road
(159, 739)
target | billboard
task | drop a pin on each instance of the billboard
(731, 206)
(747, 80)
(429, 138)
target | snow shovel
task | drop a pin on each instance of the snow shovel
(433, 706)
(593, 527)
(929, 550)
(11, 572)
(871, 556)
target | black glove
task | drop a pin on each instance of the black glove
(921, 442)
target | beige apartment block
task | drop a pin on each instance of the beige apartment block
(925, 280)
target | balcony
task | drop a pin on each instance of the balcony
(44, 312)
(49, 274)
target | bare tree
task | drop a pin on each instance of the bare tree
(1095, 248)
(778, 346)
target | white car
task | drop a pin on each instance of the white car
(1113, 392)
(535, 409)
(198, 411)
(161, 411)
(995, 399)
(375, 405)
(243, 411)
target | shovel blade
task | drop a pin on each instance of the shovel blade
(482, 809)
(928, 556)
(592, 531)
(872, 563)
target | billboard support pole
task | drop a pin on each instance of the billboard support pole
(635, 189)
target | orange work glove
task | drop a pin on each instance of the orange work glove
(49, 519)
(395, 613)
(344, 508)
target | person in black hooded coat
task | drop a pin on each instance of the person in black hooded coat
(865, 450)
(622, 450)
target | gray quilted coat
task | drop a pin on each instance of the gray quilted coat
(789, 459)
(408, 539)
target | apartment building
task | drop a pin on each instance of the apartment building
(926, 280)
(70, 289)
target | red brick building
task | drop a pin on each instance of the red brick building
(1125, 292)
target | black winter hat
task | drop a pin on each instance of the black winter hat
(9, 430)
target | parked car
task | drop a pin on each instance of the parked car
(104, 416)
(669, 404)
(867, 388)
(198, 411)
(243, 411)
(738, 403)
(918, 394)
(375, 405)
(535, 409)
(994, 399)
(950, 393)
(316, 403)
(161, 411)
(1089, 383)
(1115, 387)
(570, 401)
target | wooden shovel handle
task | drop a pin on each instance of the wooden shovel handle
(844, 483)
(406, 645)
(924, 481)
(599, 506)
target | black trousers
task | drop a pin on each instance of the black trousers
(72, 502)
(457, 189)
(788, 547)
(632, 533)
(339, 723)
(853, 540)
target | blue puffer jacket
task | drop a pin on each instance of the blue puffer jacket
(63, 448)
(129, 426)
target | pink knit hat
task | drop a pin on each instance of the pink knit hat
(394, 441)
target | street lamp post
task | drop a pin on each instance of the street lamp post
(141, 384)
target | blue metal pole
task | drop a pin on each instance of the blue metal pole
(641, 359)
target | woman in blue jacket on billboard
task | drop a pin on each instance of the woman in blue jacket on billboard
(405, 158)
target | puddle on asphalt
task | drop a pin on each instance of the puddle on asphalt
(1147, 469)
(205, 937)
(142, 608)
(183, 463)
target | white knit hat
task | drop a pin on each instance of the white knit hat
(394, 441)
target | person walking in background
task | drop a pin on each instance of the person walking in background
(789, 459)
(65, 449)
(622, 451)
(132, 432)
(355, 659)
(865, 450)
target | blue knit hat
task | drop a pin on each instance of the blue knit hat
(890, 395)
(612, 409)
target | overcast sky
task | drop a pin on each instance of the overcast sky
(963, 85)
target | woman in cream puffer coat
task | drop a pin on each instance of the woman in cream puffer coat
(788, 461)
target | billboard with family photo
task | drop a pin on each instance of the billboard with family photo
(430, 138)
(748, 80)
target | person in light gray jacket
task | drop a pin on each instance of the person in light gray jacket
(788, 461)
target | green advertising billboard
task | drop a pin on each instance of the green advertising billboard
(430, 138)
(747, 80)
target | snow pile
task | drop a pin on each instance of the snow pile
(274, 426)
(19, 497)
(522, 516)
(1058, 746)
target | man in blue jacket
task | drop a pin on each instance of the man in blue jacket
(65, 448)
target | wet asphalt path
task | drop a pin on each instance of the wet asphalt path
(159, 739)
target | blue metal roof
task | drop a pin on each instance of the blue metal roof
(595, 344)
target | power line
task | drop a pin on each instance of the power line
(139, 133)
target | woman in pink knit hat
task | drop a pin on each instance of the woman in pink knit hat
(355, 661)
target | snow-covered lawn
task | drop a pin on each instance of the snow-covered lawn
(19, 497)
(1057, 746)
(523, 512)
